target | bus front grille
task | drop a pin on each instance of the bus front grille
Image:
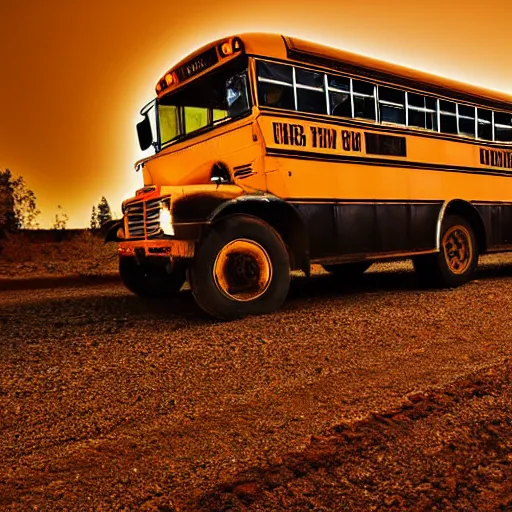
(143, 218)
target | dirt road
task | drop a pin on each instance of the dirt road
(355, 397)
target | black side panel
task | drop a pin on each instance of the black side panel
(320, 225)
(498, 223)
(355, 227)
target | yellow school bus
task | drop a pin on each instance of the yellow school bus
(273, 153)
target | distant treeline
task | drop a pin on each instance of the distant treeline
(18, 208)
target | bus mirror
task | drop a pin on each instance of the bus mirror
(144, 133)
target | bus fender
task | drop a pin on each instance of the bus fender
(470, 213)
(279, 214)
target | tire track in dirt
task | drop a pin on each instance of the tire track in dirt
(473, 470)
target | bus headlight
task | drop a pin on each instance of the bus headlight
(166, 220)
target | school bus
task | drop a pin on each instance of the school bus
(272, 154)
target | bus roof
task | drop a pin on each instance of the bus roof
(290, 48)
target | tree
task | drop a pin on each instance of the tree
(8, 219)
(25, 207)
(94, 219)
(61, 219)
(104, 214)
(100, 214)
(18, 208)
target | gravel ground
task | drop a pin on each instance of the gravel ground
(373, 395)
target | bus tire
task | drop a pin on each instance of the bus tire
(456, 262)
(151, 279)
(348, 270)
(240, 268)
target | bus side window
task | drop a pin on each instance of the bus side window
(339, 96)
(391, 105)
(364, 100)
(275, 85)
(421, 111)
(431, 113)
(448, 115)
(310, 91)
(503, 126)
(276, 95)
(467, 120)
(340, 104)
(484, 124)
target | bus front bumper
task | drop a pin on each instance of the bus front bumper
(153, 248)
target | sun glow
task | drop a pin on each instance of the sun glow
(88, 146)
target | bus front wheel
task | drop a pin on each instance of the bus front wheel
(240, 268)
(151, 279)
(455, 263)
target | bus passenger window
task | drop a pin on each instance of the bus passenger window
(503, 126)
(364, 100)
(467, 120)
(421, 111)
(275, 85)
(309, 78)
(311, 101)
(276, 95)
(484, 124)
(339, 96)
(431, 113)
(338, 83)
(340, 104)
(310, 92)
(391, 105)
(275, 72)
(416, 110)
(448, 111)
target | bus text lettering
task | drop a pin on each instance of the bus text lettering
(496, 158)
(289, 134)
(324, 138)
(351, 141)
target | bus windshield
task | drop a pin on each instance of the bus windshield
(211, 100)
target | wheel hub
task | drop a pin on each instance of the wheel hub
(458, 251)
(242, 270)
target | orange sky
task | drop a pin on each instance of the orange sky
(74, 74)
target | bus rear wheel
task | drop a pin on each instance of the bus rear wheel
(456, 262)
(151, 279)
(241, 268)
(348, 270)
